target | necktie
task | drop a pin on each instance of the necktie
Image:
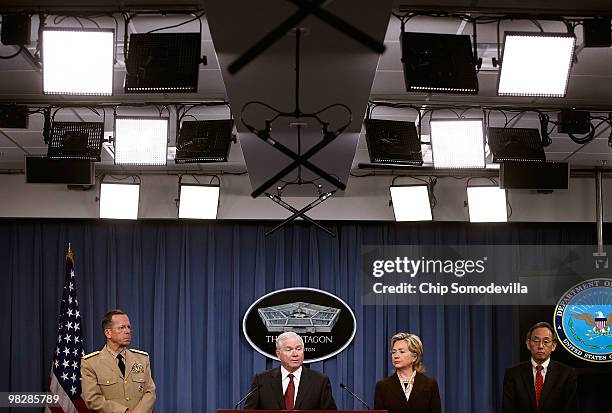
(539, 384)
(121, 364)
(289, 393)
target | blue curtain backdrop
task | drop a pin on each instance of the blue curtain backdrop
(186, 286)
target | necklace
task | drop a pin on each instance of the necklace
(406, 381)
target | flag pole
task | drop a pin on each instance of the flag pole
(65, 377)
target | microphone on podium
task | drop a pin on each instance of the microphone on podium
(354, 395)
(253, 390)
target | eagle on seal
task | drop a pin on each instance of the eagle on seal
(599, 322)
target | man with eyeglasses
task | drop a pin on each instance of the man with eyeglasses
(117, 379)
(290, 386)
(540, 385)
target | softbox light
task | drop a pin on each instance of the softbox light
(204, 141)
(438, 63)
(119, 201)
(78, 61)
(457, 143)
(141, 140)
(198, 201)
(163, 63)
(76, 140)
(487, 204)
(536, 64)
(515, 144)
(411, 202)
(393, 142)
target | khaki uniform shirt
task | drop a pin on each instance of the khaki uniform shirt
(105, 390)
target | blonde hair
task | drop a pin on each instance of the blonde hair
(415, 346)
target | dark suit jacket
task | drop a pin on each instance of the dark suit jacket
(424, 398)
(558, 394)
(314, 392)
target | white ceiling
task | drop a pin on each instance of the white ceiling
(335, 70)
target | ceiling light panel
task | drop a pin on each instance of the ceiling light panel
(457, 143)
(141, 141)
(536, 64)
(487, 204)
(78, 61)
(163, 63)
(411, 202)
(438, 63)
(119, 201)
(199, 201)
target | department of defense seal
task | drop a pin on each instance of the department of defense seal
(583, 320)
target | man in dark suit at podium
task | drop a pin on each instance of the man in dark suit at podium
(290, 386)
(540, 385)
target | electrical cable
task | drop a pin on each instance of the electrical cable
(21, 49)
(197, 17)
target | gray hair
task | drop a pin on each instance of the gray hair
(285, 336)
(542, 324)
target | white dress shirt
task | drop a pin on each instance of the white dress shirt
(544, 369)
(407, 385)
(296, 380)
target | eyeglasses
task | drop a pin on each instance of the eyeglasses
(121, 328)
(546, 342)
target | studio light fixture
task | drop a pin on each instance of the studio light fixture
(536, 64)
(119, 201)
(515, 144)
(15, 29)
(393, 142)
(487, 204)
(438, 63)
(141, 140)
(198, 201)
(204, 141)
(14, 116)
(76, 140)
(299, 159)
(163, 63)
(78, 61)
(411, 202)
(457, 143)
(597, 32)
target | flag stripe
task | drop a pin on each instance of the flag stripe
(64, 400)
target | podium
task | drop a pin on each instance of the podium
(280, 411)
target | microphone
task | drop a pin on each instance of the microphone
(253, 390)
(354, 395)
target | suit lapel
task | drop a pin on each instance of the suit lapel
(398, 392)
(417, 388)
(302, 389)
(549, 382)
(528, 382)
(277, 388)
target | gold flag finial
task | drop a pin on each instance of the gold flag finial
(69, 255)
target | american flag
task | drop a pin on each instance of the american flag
(66, 369)
(601, 323)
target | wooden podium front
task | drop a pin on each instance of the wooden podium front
(280, 411)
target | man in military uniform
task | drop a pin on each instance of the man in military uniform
(117, 379)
